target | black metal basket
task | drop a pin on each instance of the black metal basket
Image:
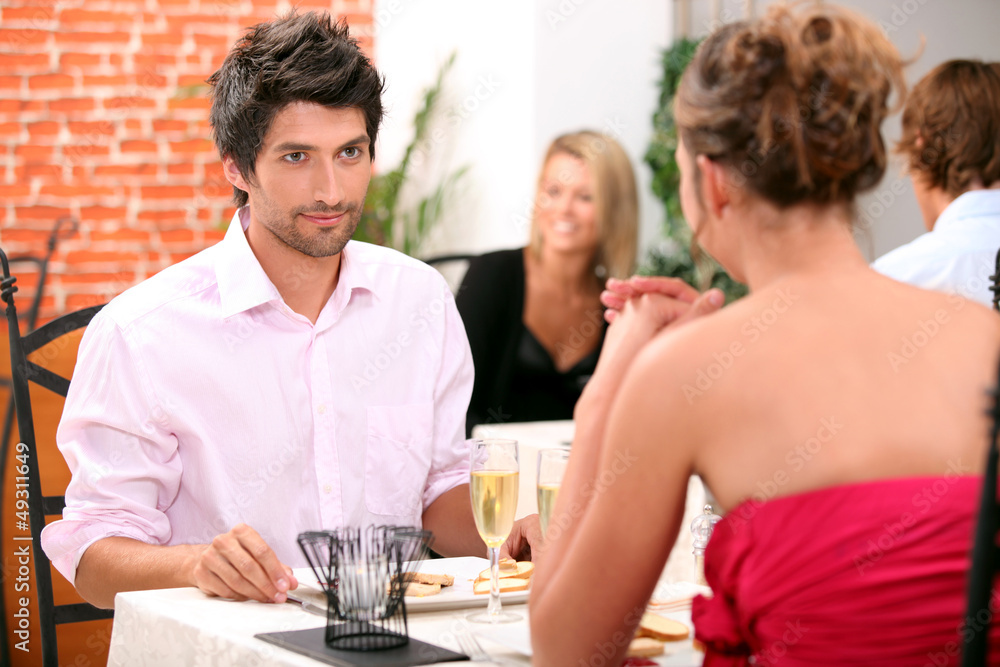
(364, 574)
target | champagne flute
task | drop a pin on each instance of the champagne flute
(494, 480)
(551, 468)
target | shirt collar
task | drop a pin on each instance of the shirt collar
(971, 204)
(243, 284)
(355, 277)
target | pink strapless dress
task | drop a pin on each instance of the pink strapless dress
(866, 574)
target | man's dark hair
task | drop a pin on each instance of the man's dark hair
(296, 58)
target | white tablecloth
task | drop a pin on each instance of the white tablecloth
(182, 627)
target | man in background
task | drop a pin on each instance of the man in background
(951, 139)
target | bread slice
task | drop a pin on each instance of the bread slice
(521, 570)
(662, 628)
(418, 590)
(425, 578)
(644, 647)
(507, 585)
(508, 565)
(525, 568)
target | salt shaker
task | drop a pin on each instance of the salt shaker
(702, 528)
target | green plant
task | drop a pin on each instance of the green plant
(679, 255)
(384, 221)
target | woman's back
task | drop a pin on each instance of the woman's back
(854, 377)
(851, 470)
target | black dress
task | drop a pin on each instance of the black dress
(516, 378)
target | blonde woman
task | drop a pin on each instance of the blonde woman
(533, 315)
(843, 427)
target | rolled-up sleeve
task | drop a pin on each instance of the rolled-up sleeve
(452, 390)
(115, 436)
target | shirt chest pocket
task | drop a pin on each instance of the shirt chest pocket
(398, 458)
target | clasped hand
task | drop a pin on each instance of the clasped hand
(663, 299)
(642, 306)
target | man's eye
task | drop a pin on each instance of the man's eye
(352, 152)
(295, 157)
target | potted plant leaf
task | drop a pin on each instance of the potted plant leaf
(678, 255)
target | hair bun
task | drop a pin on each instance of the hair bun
(764, 56)
(793, 101)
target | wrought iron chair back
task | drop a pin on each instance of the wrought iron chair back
(65, 227)
(23, 373)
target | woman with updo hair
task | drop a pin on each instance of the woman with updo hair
(837, 416)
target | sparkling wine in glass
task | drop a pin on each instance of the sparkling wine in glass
(551, 468)
(493, 487)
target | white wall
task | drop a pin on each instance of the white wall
(529, 70)
(526, 72)
(486, 122)
(597, 63)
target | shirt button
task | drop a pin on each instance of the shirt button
(321, 408)
(327, 488)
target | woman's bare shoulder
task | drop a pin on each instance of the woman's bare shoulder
(682, 364)
(731, 330)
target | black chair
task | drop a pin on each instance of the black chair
(452, 267)
(23, 373)
(984, 550)
(65, 227)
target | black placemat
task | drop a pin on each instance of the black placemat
(312, 642)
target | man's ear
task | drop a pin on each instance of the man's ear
(233, 174)
(715, 185)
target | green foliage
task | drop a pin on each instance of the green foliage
(383, 221)
(679, 255)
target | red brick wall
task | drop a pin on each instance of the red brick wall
(103, 117)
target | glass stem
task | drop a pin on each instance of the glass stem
(494, 607)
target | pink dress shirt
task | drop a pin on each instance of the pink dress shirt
(200, 400)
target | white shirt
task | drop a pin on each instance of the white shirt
(200, 400)
(959, 255)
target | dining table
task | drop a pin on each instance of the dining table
(183, 626)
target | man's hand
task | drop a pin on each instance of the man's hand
(524, 536)
(618, 292)
(239, 565)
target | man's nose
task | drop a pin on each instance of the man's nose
(327, 187)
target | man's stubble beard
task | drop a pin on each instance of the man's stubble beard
(327, 241)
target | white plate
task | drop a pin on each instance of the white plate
(459, 596)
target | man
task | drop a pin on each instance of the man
(951, 138)
(283, 380)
